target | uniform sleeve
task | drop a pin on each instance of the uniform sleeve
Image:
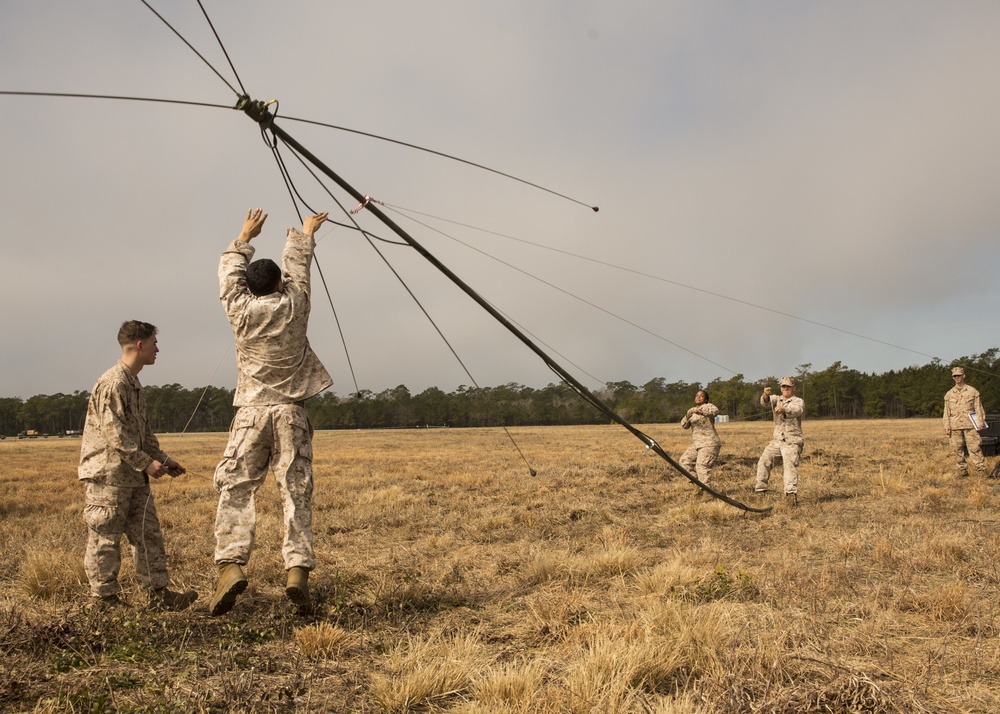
(153, 445)
(233, 289)
(947, 410)
(116, 432)
(705, 412)
(795, 408)
(980, 412)
(297, 258)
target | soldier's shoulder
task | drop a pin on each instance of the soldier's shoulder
(112, 375)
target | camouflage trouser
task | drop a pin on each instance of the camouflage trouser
(110, 512)
(967, 439)
(699, 461)
(789, 454)
(279, 436)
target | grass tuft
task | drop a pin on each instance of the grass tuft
(51, 574)
(322, 640)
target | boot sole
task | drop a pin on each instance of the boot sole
(228, 599)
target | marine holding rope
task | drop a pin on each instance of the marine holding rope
(705, 442)
(268, 308)
(118, 454)
(786, 440)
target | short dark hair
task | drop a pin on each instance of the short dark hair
(263, 277)
(133, 331)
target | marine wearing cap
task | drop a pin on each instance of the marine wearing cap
(962, 405)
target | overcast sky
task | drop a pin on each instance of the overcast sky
(837, 161)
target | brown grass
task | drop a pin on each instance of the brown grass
(449, 579)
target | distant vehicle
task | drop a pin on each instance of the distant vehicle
(28, 434)
(71, 432)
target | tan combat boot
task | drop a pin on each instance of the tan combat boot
(109, 602)
(166, 599)
(297, 589)
(230, 584)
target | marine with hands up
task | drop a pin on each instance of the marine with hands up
(268, 308)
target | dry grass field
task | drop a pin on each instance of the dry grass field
(451, 580)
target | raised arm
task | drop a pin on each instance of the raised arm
(233, 263)
(312, 223)
(298, 253)
(252, 225)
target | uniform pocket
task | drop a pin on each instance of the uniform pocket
(242, 423)
(302, 431)
(103, 520)
(100, 493)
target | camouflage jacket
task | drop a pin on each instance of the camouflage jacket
(787, 426)
(117, 443)
(275, 363)
(959, 402)
(702, 426)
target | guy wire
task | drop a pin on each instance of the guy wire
(223, 47)
(666, 280)
(441, 154)
(566, 292)
(404, 211)
(191, 47)
(76, 95)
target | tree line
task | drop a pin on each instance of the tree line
(835, 392)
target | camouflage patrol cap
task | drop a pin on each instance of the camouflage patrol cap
(788, 381)
(955, 371)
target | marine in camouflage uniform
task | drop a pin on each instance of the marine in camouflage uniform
(278, 371)
(786, 440)
(959, 402)
(699, 458)
(118, 454)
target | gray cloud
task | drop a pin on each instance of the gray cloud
(830, 160)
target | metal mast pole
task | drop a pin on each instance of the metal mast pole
(257, 110)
